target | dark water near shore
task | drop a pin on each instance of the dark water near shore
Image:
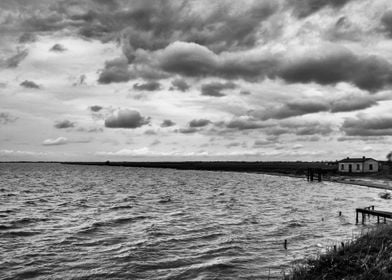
(99, 222)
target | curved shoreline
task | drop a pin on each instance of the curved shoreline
(365, 183)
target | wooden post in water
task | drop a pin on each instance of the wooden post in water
(308, 175)
(378, 219)
(385, 220)
(319, 175)
(356, 217)
(311, 174)
(363, 218)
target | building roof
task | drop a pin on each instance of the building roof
(362, 159)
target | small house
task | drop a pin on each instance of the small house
(358, 165)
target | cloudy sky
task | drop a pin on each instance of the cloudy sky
(195, 80)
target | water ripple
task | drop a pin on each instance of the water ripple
(102, 222)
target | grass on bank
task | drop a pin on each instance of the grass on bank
(367, 257)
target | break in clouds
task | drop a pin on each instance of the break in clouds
(295, 72)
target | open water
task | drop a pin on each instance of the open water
(99, 222)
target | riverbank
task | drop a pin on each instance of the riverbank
(367, 257)
(296, 169)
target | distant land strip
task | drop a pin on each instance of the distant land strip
(280, 167)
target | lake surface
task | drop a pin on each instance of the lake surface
(101, 222)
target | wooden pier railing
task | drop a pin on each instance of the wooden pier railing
(368, 211)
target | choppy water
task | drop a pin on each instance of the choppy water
(99, 222)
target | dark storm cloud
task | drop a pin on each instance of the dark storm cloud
(6, 118)
(27, 37)
(339, 65)
(180, 84)
(29, 84)
(245, 124)
(299, 128)
(31, 16)
(188, 59)
(14, 60)
(44, 23)
(191, 59)
(233, 30)
(199, 123)
(304, 8)
(200, 39)
(155, 24)
(233, 144)
(148, 86)
(303, 107)
(352, 103)
(386, 21)
(167, 123)
(64, 124)
(215, 88)
(376, 139)
(115, 71)
(96, 108)
(292, 109)
(328, 65)
(126, 118)
(187, 130)
(58, 48)
(362, 126)
(148, 72)
(344, 29)
(146, 24)
(276, 128)
(261, 143)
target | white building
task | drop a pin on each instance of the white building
(358, 165)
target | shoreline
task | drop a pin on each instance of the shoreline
(359, 181)
(364, 183)
(287, 169)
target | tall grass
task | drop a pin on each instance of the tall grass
(366, 257)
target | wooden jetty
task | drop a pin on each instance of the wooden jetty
(368, 211)
(312, 172)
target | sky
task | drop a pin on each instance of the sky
(95, 80)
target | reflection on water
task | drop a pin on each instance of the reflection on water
(102, 222)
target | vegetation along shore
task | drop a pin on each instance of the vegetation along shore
(366, 257)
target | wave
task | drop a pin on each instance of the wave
(5, 227)
(118, 221)
(19, 233)
(118, 207)
(296, 224)
(23, 222)
(217, 265)
(8, 211)
(223, 250)
(184, 239)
